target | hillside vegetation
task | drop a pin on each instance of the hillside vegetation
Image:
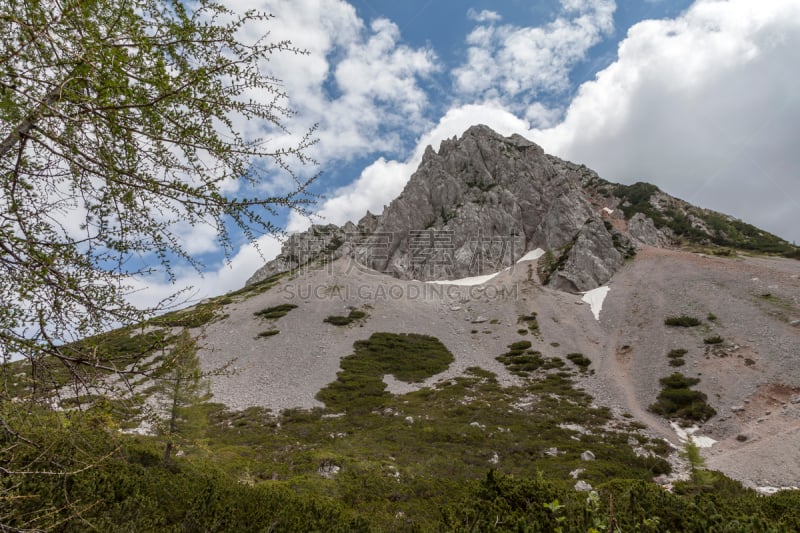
(465, 454)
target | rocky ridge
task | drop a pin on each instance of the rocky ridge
(479, 203)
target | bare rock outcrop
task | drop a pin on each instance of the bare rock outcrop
(483, 200)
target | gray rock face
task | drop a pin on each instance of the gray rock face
(318, 243)
(644, 232)
(475, 207)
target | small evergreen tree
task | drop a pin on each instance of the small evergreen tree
(182, 384)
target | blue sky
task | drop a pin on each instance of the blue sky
(701, 98)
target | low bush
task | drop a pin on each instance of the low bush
(716, 339)
(268, 333)
(275, 312)
(338, 320)
(682, 321)
(677, 400)
(579, 360)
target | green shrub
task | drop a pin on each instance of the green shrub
(682, 321)
(716, 339)
(268, 333)
(677, 400)
(579, 360)
(275, 312)
(519, 346)
(676, 353)
(677, 361)
(338, 320)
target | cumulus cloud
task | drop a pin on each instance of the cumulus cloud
(516, 64)
(704, 105)
(358, 82)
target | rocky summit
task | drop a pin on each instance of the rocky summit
(479, 203)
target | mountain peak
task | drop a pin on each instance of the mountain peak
(483, 200)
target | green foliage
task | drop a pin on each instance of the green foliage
(180, 385)
(677, 352)
(275, 312)
(194, 317)
(677, 400)
(716, 339)
(255, 470)
(352, 316)
(254, 289)
(636, 199)
(580, 360)
(676, 357)
(682, 321)
(268, 333)
(549, 264)
(105, 111)
(408, 357)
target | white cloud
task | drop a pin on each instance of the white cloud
(705, 105)
(516, 64)
(359, 83)
(483, 15)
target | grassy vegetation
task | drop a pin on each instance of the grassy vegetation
(682, 321)
(715, 339)
(359, 385)
(193, 317)
(355, 314)
(676, 400)
(466, 454)
(268, 333)
(275, 312)
(254, 289)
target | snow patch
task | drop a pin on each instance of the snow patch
(685, 434)
(533, 255)
(474, 280)
(769, 491)
(595, 299)
(607, 210)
